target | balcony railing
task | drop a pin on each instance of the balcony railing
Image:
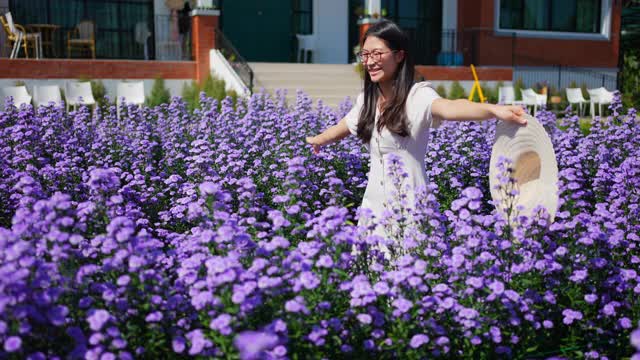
(238, 63)
(139, 35)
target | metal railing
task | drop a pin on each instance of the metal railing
(450, 52)
(237, 62)
(565, 76)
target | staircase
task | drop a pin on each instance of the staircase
(330, 82)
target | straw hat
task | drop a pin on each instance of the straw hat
(534, 165)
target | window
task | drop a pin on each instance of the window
(115, 21)
(573, 16)
(303, 16)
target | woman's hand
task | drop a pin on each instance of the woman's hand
(313, 140)
(513, 113)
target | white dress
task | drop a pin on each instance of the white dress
(410, 149)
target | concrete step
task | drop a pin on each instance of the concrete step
(295, 67)
(330, 82)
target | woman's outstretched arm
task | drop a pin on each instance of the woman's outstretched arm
(465, 110)
(335, 133)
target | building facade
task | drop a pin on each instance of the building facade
(561, 41)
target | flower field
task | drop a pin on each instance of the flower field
(218, 234)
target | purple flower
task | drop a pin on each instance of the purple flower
(591, 298)
(252, 344)
(571, 315)
(198, 342)
(309, 280)
(98, 319)
(468, 313)
(418, 340)
(381, 287)
(497, 287)
(155, 316)
(221, 323)
(403, 305)
(209, 188)
(12, 344)
(178, 344)
(635, 339)
(578, 276)
(325, 261)
(364, 318)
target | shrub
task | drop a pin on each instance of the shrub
(457, 91)
(517, 88)
(159, 93)
(212, 87)
(442, 91)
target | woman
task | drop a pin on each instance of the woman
(393, 115)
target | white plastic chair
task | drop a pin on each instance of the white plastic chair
(129, 93)
(600, 96)
(305, 43)
(507, 96)
(531, 98)
(574, 96)
(45, 94)
(19, 93)
(79, 93)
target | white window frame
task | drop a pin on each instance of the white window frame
(604, 35)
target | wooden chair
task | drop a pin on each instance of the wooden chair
(18, 37)
(83, 36)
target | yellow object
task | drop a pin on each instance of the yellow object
(28, 39)
(476, 86)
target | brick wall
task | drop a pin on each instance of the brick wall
(497, 50)
(95, 69)
(459, 73)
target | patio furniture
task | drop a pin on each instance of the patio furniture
(600, 96)
(82, 37)
(129, 93)
(18, 36)
(507, 96)
(531, 98)
(46, 94)
(79, 93)
(574, 96)
(47, 33)
(18, 93)
(306, 43)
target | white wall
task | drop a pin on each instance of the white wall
(221, 69)
(331, 27)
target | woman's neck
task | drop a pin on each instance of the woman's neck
(386, 90)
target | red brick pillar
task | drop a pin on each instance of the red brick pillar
(204, 24)
(364, 24)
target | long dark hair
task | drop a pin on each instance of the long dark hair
(393, 115)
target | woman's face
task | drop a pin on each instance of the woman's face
(379, 61)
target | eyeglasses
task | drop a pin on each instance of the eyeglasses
(376, 55)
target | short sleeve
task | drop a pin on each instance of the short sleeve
(354, 114)
(422, 100)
